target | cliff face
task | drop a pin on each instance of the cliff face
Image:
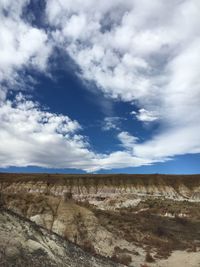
(96, 188)
(70, 220)
(23, 243)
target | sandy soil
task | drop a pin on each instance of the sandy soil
(180, 259)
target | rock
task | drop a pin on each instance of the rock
(47, 248)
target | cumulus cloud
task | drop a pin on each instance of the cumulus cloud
(142, 52)
(21, 44)
(111, 123)
(120, 159)
(145, 115)
(128, 141)
(146, 52)
(169, 143)
(30, 136)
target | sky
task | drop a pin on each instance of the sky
(100, 86)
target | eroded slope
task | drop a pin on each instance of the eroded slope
(23, 243)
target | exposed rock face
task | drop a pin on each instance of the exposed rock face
(23, 243)
(106, 191)
(70, 220)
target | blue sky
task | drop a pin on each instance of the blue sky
(107, 88)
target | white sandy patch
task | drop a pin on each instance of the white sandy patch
(179, 259)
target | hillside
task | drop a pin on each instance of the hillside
(23, 243)
(131, 219)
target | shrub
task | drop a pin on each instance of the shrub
(88, 246)
(67, 196)
(181, 220)
(122, 259)
(149, 258)
(160, 231)
(2, 202)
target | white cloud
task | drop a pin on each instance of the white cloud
(176, 141)
(21, 44)
(110, 123)
(128, 141)
(119, 159)
(145, 115)
(30, 136)
(146, 52)
(142, 52)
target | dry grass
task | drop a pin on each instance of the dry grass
(150, 229)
